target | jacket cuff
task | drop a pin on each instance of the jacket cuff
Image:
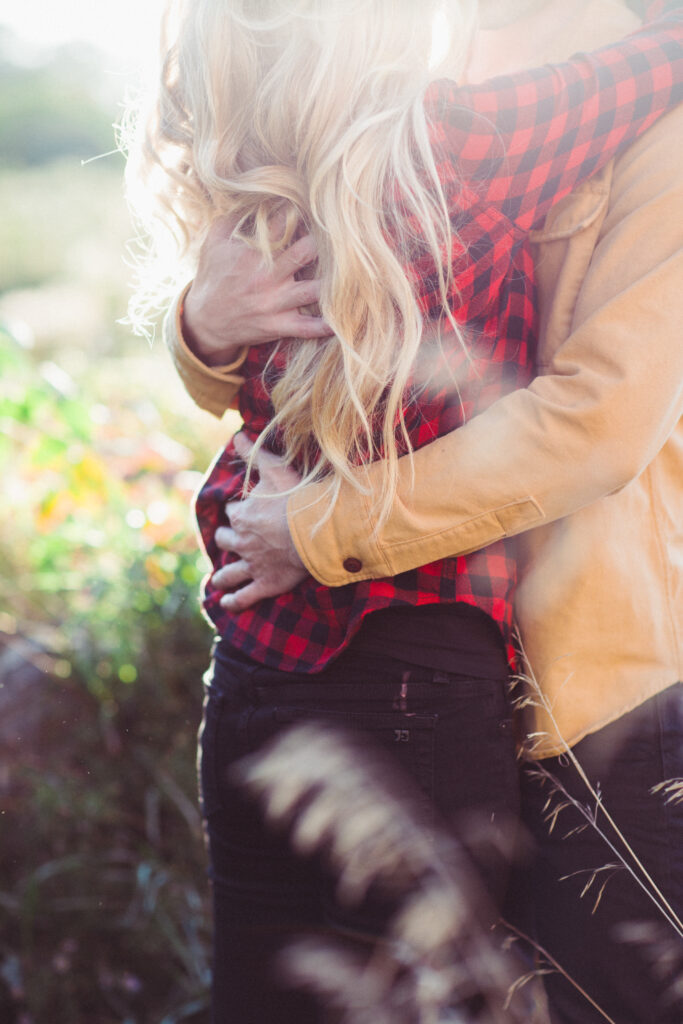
(212, 387)
(428, 521)
(333, 553)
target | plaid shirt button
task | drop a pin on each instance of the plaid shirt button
(352, 564)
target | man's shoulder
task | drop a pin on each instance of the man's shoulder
(650, 166)
(656, 156)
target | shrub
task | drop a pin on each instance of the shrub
(101, 652)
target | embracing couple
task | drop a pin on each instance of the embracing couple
(471, 427)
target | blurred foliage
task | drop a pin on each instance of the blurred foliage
(55, 219)
(97, 521)
(53, 109)
(103, 896)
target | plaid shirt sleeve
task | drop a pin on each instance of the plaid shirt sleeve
(527, 139)
(658, 8)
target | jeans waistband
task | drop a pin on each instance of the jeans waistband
(362, 678)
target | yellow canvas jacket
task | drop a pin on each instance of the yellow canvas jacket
(585, 465)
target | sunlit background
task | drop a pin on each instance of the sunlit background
(102, 893)
(103, 916)
(124, 30)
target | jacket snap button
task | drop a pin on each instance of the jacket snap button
(353, 564)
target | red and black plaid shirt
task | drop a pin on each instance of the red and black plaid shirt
(506, 151)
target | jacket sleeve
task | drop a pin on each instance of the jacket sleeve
(213, 388)
(601, 410)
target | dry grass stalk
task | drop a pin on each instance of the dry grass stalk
(672, 789)
(548, 965)
(437, 960)
(664, 954)
(594, 813)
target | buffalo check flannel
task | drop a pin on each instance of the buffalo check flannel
(506, 150)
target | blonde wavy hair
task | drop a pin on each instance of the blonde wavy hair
(314, 108)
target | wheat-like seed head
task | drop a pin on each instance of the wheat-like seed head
(437, 961)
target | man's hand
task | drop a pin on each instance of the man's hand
(235, 300)
(268, 560)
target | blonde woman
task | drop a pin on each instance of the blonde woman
(420, 194)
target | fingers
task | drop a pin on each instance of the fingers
(230, 576)
(292, 321)
(298, 255)
(263, 459)
(243, 446)
(298, 325)
(245, 597)
(226, 539)
(304, 293)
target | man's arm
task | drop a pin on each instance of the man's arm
(596, 417)
(599, 413)
(213, 388)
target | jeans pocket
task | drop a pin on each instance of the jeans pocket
(406, 740)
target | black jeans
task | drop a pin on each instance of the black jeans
(450, 734)
(629, 971)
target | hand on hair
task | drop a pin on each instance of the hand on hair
(258, 533)
(235, 300)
